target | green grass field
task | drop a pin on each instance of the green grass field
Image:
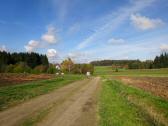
(12, 95)
(108, 71)
(123, 105)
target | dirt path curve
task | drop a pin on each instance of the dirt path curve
(74, 101)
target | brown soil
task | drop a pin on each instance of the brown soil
(7, 79)
(72, 105)
(155, 85)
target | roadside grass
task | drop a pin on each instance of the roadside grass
(108, 71)
(123, 105)
(12, 95)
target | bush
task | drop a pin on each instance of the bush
(87, 68)
(83, 68)
(18, 69)
(40, 69)
(21, 68)
(77, 69)
(9, 68)
(51, 69)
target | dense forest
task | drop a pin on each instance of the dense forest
(159, 62)
(22, 62)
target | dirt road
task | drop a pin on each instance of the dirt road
(72, 105)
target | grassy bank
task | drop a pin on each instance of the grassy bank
(12, 95)
(123, 105)
(108, 71)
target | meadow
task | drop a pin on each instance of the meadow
(109, 71)
(122, 103)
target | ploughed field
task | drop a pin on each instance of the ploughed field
(156, 85)
(13, 78)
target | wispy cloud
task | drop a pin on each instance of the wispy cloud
(32, 45)
(142, 49)
(62, 8)
(113, 21)
(145, 23)
(50, 36)
(73, 29)
(79, 57)
(114, 41)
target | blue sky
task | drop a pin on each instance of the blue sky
(85, 30)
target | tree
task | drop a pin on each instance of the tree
(161, 61)
(87, 68)
(51, 69)
(67, 65)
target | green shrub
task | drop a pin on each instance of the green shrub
(51, 69)
(41, 69)
(83, 68)
(9, 68)
(21, 68)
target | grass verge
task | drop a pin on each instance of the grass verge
(123, 105)
(12, 95)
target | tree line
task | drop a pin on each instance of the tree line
(22, 62)
(158, 62)
(37, 63)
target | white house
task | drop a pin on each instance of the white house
(58, 67)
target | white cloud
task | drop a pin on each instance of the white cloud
(51, 53)
(3, 48)
(114, 41)
(31, 46)
(113, 21)
(145, 23)
(50, 37)
(164, 47)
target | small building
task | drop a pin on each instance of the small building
(88, 74)
(58, 67)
